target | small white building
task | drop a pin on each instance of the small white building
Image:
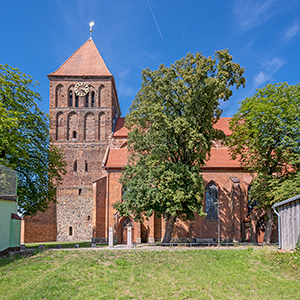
(10, 222)
(288, 212)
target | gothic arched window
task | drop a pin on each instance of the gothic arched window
(211, 197)
(70, 98)
(76, 101)
(93, 99)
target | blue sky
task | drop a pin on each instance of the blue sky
(263, 36)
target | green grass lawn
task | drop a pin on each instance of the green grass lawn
(53, 245)
(151, 274)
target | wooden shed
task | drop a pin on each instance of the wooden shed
(288, 212)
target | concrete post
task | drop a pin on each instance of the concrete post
(110, 237)
(129, 235)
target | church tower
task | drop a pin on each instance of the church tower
(83, 107)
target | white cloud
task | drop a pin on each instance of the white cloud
(251, 13)
(260, 79)
(292, 31)
(270, 68)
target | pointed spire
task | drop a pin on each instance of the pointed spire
(86, 61)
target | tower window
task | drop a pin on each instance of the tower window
(88, 218)
(75, 166)
(76, 101)
(86, 166)
(74, 134)
(70, 230)
(93, 99)
(70, 98)
(79, 192)
(87, 100)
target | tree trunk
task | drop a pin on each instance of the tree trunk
(268, 232)
(169, 228)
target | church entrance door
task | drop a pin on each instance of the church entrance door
(125, 224)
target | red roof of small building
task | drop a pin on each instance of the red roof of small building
(120, 129)
(117, 158)
(86, 61)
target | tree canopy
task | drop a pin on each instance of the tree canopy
(171, 124)
(24, 142)
(266, 139)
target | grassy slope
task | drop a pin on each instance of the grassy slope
(186, 274)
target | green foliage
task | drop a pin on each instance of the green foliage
(171, 132)
(266, 140)
(24, 142)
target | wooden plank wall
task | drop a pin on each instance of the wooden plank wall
(290, 224)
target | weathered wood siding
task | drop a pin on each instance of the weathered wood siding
(290, 224)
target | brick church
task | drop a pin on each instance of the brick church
(86, 124)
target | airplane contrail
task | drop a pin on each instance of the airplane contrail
(154, 19)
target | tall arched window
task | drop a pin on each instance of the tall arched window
(70, 98)
(93, 99)
(76, 101)
(211, 197)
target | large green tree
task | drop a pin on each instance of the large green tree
(24, 142)
(171, 124)
(266, 138)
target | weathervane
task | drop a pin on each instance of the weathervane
(91, 28)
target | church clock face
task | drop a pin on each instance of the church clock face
(81, 89)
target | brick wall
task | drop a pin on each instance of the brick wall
(99, 208)
(40, 228)
(233, 211)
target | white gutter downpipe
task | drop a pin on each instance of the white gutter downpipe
(279, 228)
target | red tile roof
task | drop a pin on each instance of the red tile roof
(117, 158)
(220, 159)
(120, 129)
(86, 61)
(223, 124)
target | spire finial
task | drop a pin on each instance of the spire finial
(91, 28)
